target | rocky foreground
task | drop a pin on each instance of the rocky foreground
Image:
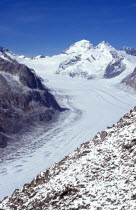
(101, 174)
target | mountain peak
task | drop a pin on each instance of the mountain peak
(79, 46)
(104, 45)
(6, 54)
(3, 49)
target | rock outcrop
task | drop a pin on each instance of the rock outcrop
(98, 175)
(23, 99)
(114, 68)
(129, 50)
(130, 80)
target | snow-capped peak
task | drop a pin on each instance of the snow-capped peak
(104, 45)
(80, 46)
(6, 54)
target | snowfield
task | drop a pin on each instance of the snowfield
(92, 104)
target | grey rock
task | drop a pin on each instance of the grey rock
(69, 62)
(23, 99)
(129, 50)
(26, 76)
(115, 54)
(130, 80)
(103, 135)
(114, 68)
(3, 140)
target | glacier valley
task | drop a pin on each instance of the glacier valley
(92, 106)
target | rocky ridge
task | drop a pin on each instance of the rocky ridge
(129, 50)
(23, 99)
(101, 174)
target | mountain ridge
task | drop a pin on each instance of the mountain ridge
(83, 60)
(23, 99)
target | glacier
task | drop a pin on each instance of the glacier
(93, 105)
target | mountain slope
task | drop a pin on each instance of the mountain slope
(98, 175)
(23, 99)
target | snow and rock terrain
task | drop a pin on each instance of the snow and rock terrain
(24, 100)
(100, 174)
(93, 104)
(83, 60)
(129, 50)
(130, 80)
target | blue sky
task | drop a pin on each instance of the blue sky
(48, 27)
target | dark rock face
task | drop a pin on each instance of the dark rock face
(130, 80)
(129, 50)
(26, 76)
(23, 99)
(115, 68)
(3, 140)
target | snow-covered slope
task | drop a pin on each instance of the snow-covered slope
(98, 175)
(83, 60)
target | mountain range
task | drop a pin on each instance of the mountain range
(83, 60)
